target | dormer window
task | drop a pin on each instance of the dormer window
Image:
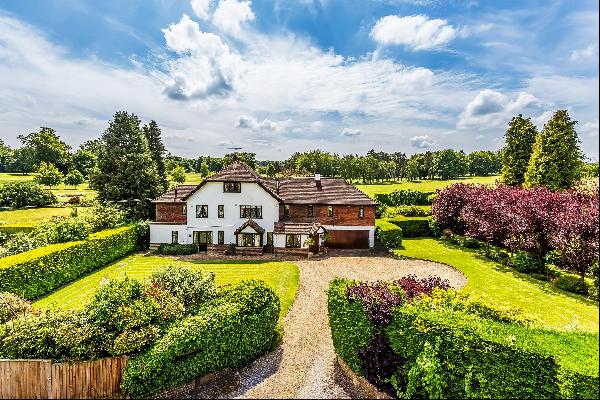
(232, 187)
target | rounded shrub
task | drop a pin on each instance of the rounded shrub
(571, 283)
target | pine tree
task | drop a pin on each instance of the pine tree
(125, 170)
(556, 160)
(157, 149)
(520, 137)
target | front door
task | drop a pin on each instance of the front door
(202, 239)
(314, 247)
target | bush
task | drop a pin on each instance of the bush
(191, 288)
(404, 197)
(413, 227)
(412, 211)
(389, 235)
(102, 216)
(25, 194)
(12, 306)
(571, 283)
(227, 332)
(176, 249)
(34, 273)
(526, 262)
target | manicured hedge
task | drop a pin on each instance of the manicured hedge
(413, 227)
(226, 333)
(34, 273)
(390, 235)
(176, 249)
(405, 197)
(445, 351)
(16, 228)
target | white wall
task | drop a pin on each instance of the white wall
(161, 233)
(212, 194)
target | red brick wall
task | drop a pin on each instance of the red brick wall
(170, 212)
(342, 215)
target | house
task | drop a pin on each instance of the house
(238, 206)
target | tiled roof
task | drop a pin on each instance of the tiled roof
(236, 171)
(297, 228)
(176, 195)
(251, 223)
(329, 191)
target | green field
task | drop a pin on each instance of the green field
(192, 178)
(32, 216)
(422, 186)
(503, 285)
(62, 192)
(282, 276)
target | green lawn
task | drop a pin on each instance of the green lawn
(33, 215)
(282, 276)
(503, 285)
(62, 191)
(422, 186)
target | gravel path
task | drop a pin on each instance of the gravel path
(304, 366)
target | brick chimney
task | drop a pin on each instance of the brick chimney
(318, 180)
(277, 184)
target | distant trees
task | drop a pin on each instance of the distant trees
(46, 146)
(48, 174)
(556, 159)
(74, 178)
(177, 174)
(520, 138)
(126, 170)
(484, 163)
(449, 164)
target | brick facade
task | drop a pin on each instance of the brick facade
(342, 215)
(172, 213)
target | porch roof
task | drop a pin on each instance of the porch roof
(299, 228)
(252, 224)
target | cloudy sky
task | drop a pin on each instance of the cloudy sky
(279, 76)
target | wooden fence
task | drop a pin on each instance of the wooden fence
(43, 379)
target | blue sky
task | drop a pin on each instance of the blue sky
(276, 77)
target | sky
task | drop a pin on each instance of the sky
(279, 76)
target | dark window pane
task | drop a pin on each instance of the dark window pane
(221, 211)
(330, 211)
(310, 211)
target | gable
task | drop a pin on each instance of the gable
(251, 194)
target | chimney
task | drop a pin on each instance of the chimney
(277, 183)
(176, 193)
(317, 177)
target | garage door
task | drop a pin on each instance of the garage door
(355, 239)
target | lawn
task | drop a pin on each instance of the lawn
(32, 216)
(422, 186)
(282, 276)
(503, 285)
(62, 191)
(192, 178)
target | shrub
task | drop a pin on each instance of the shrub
(12, 306)
(102, 216)
(74, 200)
(413, 227)
(412, 211)
(571, 283)
(525, 262)
(227, 332)
(390, 235)
(176, 249)
(191, 288)
(25, 194)
(403, 197)
(37, 272)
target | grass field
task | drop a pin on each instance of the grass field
(422, 186)
(32, 216)
(282, 276)
(62, 192)
(192, 178)
(503, 285)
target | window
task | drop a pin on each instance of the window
(292, 241)
(184, 209)
(203, 237)
(248, 240)
(202, 211)
(174, 237)
(286, 210)
(232, 187)
(270, 238)
(310, 210)
(221, 237)
(251, 212)
(221, 212)
(361, 212)
(330, 211)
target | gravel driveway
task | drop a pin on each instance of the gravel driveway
(304, 366)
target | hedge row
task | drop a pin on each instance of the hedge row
(34, 273)
(411, 227)
(226, 333)
(405, 197)
(390, 235)
(450, 353)
(176, 249)
(16, 228)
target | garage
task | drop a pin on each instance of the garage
(348, 239)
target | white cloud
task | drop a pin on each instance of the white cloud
(349, 132)
(250, 122)
(541, 119)
(590, 128)
(588, 53)
(491, 109)
(230, 15)
(201, 8)
(421, 142)
(417, 32)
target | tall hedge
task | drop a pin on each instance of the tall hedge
(462, 355)
(390, 235)
(227, 332)
(34, 273)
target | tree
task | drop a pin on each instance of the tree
(412, 169)
(556, 160)
(6, 156)
(204, 171)
(484, 163)
(47, 174)
(248, 158)
(46, 146)
(449, 164)
(84, 161)
(22, 160)
(126, 172)
(520, 138)
(157, 149)
(178, 174)
(74, 178)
